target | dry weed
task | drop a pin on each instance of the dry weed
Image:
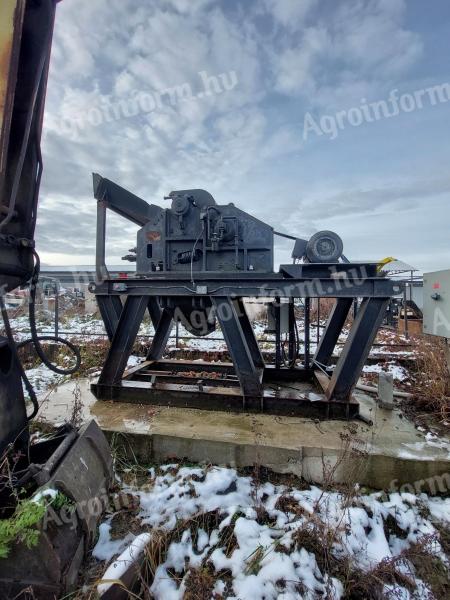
(432, 379)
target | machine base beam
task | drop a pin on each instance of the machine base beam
(286, 402)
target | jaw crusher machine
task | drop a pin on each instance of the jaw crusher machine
(196, 262)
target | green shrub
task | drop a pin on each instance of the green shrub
(21, 527)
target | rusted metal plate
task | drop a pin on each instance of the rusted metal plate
(11, 19)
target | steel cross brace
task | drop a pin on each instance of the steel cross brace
(123, 339)
(333, 329)
(357, 346)
(163, 327)
(122, 325)
(110, 310)
(249, 333)
(242, 345)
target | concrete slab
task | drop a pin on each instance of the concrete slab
(392, 454)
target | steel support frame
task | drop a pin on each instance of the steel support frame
(194, 395)
(292, 330)
(101, 270)
(277, 313)
(123, 321)
(307, 341)
(237, 330)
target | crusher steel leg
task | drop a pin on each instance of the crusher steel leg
(123, 340)
(332, 331)
(154, 310)
(239, 346)
(161, 337)
(110, 309)
(162, 323)
(249, 334)
(357, 347)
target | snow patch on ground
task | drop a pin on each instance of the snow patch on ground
(106, 548)
(43, 380)
(432, 442)
(267, 559)
(398, 373)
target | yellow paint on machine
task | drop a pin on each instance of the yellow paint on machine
(11, 19)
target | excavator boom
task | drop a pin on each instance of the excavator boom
(26, 31)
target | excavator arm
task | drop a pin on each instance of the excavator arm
(26, 30)
(50, 569)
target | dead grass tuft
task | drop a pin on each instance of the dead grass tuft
(76, 415)
(199, 584)
(360, 585)
(432, 380)
(289, 505)
(430, 567)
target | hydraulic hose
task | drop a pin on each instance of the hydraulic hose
(36, 339)
(23, 375)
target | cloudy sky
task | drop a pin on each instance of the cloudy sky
(269, 104)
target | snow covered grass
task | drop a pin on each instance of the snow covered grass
(43, 380)
(210, 532)
(398, 373)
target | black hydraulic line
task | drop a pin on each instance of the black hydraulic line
(285, 235)
(278, 346)
(36, 339)
(290, 361)
(193, 253)
(23, 375)
(307, 305)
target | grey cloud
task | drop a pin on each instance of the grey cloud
(228, 143)
(362, 201)
(353, 48)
